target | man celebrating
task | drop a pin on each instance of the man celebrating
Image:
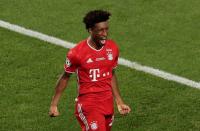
(94, 61)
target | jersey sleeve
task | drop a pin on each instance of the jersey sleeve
(71, 63)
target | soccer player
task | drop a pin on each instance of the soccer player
(94, 61)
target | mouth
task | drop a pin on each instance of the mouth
(103, 40)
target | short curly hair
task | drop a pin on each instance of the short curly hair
(95, 16)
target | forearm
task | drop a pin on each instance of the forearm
(60, 87)
(122, 107)
(115, 90)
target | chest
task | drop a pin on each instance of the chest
(102, 59)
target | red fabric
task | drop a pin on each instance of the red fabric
(94, 114)
(93, 67)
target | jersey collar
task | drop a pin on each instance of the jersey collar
(93, 47)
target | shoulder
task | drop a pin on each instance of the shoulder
(78, 47)
(75, 52)
(113, 45)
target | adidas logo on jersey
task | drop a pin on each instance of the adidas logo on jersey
(89, 60)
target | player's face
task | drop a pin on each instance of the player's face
(99, 32)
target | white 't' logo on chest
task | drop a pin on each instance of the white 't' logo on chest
(94, 74)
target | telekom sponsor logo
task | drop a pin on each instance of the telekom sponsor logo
(94, 74)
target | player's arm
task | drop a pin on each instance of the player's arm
(60, 87)
(122, 107)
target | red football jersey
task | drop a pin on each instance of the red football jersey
(93, 67)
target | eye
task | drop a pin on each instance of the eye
(103, 29)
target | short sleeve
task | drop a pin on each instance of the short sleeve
(71, 63)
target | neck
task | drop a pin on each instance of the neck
(94, 44)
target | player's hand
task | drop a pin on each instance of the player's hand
(53, 111)
(123, 109)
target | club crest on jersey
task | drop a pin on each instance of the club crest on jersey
(110, 55)
(94, 125)
(68, 63)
